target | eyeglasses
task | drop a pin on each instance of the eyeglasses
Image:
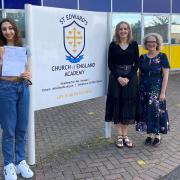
(151, 42)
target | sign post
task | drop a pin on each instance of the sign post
(31, 125)
(69, 63)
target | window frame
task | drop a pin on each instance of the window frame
(158, 14)
(176, 14)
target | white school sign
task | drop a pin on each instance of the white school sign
(69, 55)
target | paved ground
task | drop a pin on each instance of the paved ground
(175, 174)
(70, 145)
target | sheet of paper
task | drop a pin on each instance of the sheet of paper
(14, 61)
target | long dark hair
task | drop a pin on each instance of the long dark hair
(17, 37)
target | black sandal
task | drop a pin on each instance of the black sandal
(127, 142)
(148, 141)
(156, 142)
(119, 142)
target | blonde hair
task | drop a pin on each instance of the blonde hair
(158, 38)
(117, 38)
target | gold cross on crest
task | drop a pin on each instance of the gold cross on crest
(74, 37)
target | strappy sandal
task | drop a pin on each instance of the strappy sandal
(119, 142)
(127, 142)
(156, 142)
(148, 141)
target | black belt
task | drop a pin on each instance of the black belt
(123, 70)
(123, 67)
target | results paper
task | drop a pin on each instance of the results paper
(14, 60)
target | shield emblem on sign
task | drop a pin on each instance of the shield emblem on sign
(74, 39)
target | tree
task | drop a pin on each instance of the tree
(160, 20)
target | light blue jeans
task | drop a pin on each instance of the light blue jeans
(14, 109)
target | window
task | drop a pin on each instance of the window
(133, 19)
(175, 29)
(1, 16)
(157, 24)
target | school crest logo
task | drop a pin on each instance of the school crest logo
(74, 41)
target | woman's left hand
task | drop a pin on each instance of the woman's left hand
(1, 55)
(162, 97)
(126, 80)
(26, 75)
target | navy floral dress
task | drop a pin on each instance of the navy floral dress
(153, 113)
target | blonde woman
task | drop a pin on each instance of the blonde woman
(154, 72)
(123, 84)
